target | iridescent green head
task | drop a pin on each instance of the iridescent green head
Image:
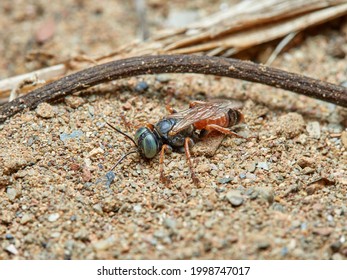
(147, 142)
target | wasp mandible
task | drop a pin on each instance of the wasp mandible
(179, 130)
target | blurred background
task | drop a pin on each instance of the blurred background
(37, 34)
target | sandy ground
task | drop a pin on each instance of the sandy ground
(280, 195)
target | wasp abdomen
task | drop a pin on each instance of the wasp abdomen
(222, 121)
(231, 118)
(235, 117)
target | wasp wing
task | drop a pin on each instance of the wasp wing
(201, 111)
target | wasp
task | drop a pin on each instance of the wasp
(180, 130)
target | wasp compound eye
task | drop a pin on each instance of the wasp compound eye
(147, 142)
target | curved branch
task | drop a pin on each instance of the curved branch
(146, 65)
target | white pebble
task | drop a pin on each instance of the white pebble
(313, 129)
(53, 217)
(11, 249)
(263, 165)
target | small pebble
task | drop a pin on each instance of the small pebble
(302, 139)
(32, 140)
(6, 217)
(306, 162)
(335, 127)
(75, 134)
(325, 231)
(11, 249)
(104, 244)
(313, 129)
(53, 217)
(82, 234)
(296, 224)
(91, 110)
(74, 101)
(303, 226)
(137, 208)
(11, 193)
(263, 245)
(26, 219)
(251, 166)
(290, 125)
(55, 234)
(278, 207)
(235, 198)
(335, 247)
(9, 236)
(209, 223)
(252, 193)
(213, 167)
(44, 110)
(163, 78)
(98, 209)
(311, 189)
(263, 165)
(265, 193)
(15, 158)
(86, 174)
(141, 86)
(307, 170)
(170, 223)
(338, 211)
(251, 176)
(110, 176)
(159, 234)
(224, 180)
(126, 106)
(95, 151)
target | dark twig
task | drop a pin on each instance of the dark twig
(145, 65)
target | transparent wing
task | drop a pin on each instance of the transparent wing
(202, 111)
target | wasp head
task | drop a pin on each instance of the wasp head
(148, 142)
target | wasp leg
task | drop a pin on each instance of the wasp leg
(188, 141)
(214, 127)
(150, 126)
(165, 180)
(126, 123)
(170, 109)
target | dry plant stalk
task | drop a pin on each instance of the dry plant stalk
(250, 22)
(157, 64)
(242, 26)
(257, 35)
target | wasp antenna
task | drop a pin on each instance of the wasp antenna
(121, 132)
(123, 157)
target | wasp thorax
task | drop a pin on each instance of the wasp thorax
(147, 142)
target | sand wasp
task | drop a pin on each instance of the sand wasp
(179, 130)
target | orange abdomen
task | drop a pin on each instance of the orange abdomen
(222, 121)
